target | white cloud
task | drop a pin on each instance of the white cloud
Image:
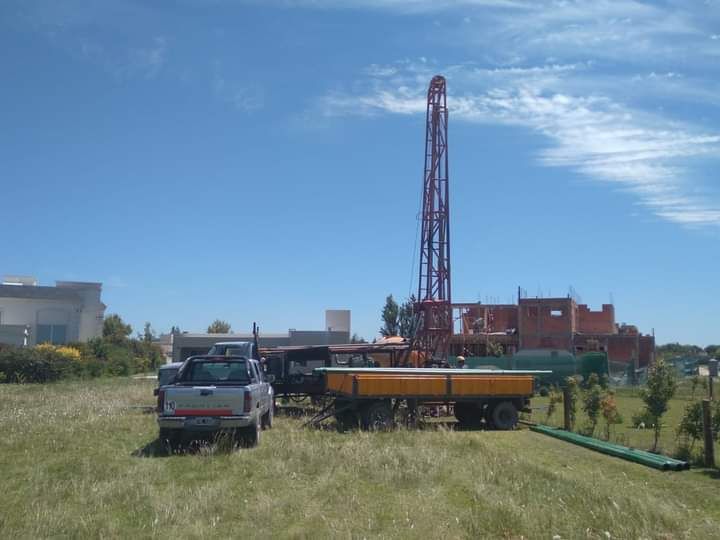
(148, 60)
(595, 135)
(243, 97)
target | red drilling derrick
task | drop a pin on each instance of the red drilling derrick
(433, 311)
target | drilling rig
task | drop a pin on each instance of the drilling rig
(432, 309)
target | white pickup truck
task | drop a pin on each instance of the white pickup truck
(214, 394)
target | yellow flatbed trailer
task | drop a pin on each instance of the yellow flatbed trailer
(371, 397)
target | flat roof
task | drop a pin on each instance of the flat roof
(39, 292)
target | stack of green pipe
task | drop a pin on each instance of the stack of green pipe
(656, 461)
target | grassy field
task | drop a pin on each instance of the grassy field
(629, 402)
(78, 459)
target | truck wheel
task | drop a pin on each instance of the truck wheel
(251, 435)
(267, 418)
(504, 416)
(169, 439)
(468, 414)
(378, 416)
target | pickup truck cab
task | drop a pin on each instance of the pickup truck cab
(213, 394)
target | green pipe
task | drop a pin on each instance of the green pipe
(656, 461)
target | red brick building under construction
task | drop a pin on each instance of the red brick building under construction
(548, 323)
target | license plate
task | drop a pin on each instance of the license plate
(206, 421)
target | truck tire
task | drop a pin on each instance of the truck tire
(250, 436)
(169, 439)
(503, 415)
(267, 418)
(378, 416)
(468, 415)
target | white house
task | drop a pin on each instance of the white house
(69, 311)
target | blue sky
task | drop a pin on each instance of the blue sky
(263, 160)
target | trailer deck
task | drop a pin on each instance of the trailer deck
(371, 397)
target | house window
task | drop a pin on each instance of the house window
(51, 333)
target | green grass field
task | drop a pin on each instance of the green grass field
(629, 402)
(78, 459)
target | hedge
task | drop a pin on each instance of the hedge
(48, 363)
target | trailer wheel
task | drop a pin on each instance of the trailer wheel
(504, 415)
(378, 416)
(468, 414)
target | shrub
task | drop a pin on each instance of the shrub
(100, 356)
(32, 365)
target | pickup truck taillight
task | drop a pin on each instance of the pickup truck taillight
(247, 402)
(161, 401)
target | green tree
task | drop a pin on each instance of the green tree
(148, 333)
(219, 327)
(591, 401)
(406, 317)
(661, 386)
(572, 385)
(115, 330)
(357, 339)
(690, 429)
(609, 410)
(175, 330)
(390, 318)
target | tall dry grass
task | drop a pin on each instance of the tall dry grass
(79, 460)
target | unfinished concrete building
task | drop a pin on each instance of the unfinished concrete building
(548, 323)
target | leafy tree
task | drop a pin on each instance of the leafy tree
(670, 350)
(609, 410)
(390, 318)
(148, 333)
(406, 317)
(115, 330)
(661, 386)
(572, 385)
(690, 429)
(219, 327)
(175, 330)
(592, 397)
(555, 398)
(357, 339)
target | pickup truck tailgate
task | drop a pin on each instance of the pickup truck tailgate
(203, 401)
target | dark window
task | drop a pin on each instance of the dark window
(51, 333)
(219, 372)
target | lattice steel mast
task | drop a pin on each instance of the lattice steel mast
(433, 310)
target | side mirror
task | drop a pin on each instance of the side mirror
(270, 378)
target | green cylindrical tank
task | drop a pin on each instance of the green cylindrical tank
(562, 363)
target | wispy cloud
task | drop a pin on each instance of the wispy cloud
(633, 150)
(243, 97)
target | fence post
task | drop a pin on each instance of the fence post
(707, 430)
(567, 420)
